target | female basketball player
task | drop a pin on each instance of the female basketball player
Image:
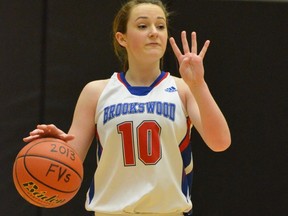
(143, 118)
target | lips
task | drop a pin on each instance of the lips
(153, 44)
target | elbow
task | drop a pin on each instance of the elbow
(221, 144)
(220, 147)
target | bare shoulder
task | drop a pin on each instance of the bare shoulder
(181, 87)
(178, 80)
(95, 87)
(92, 91)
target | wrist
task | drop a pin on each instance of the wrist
(198, 85)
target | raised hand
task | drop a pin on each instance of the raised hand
(47, 131)
(190, 62)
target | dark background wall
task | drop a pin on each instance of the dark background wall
(50, 49)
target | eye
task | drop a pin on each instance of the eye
(142, 26)
(161, 27)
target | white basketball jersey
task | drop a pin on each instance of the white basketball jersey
(144, 157)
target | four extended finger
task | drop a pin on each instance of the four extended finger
(185, 45)
(185, 42)
(194, 42)
(204, 49)
(175, 48)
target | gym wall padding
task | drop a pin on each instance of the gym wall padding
(246, 69)
(50, 49)
(20, 83)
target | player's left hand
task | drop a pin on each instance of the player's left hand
(191, 66)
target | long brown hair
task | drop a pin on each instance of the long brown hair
(120, 25)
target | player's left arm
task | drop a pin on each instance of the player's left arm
(201, 106)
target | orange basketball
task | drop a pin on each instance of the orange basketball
(47, 172)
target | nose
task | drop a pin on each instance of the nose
(153, 32)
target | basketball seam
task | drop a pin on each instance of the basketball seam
(24, 156)
(32, 201)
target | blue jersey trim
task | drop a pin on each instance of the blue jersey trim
(91, 191)
(141, 90)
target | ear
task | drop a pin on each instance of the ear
(121, 38)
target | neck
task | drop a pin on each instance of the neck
(142, 76)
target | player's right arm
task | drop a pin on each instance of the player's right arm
(83, 124)
(82, 129)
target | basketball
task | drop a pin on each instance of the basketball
(47, 172)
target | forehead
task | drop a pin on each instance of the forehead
(146, 11)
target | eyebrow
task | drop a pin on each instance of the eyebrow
(144, 17)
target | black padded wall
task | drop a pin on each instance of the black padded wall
(20, 83)
(246, 70)
(50, 49)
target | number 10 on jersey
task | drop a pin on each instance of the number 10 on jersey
(148, 142)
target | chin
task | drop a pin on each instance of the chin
(155, 53)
